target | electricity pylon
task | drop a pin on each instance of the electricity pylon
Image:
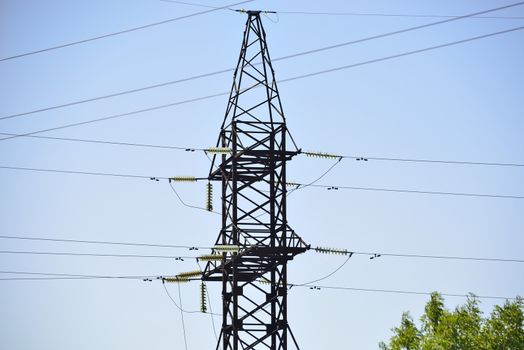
(255, 242)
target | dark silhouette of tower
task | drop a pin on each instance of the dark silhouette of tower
(255, 242)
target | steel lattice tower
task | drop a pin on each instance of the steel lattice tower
(253, 178)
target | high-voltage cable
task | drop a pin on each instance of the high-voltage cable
(298, 185)
(312, 154)
(374, 37)
(302, 76)
(118, 32)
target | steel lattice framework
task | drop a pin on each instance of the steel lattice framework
(253, 179)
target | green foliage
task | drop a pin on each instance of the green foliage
(461, 329)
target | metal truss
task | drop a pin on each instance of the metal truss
(256, 240)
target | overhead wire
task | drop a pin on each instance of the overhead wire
(330, 47)
(189, 205)
(197, 247)
(199, 5)
(398, 291)
(403, 54)
(395, 190)
(298, 77)
(352, 14)
(74, 172)
(310, 286)
(326, 276)
(345, 288)
(290, 192)
(331, 187)
(102, 255)
(29, 53)
(124, 93)
(382, 14)
(396, 32)
(182, 314)
(64, 276)
(50, 278)
(192, 149)
(377, 254)
(115, 116)
(300, 186)
(82, 241)
(436, 161)
(75, 275)
(209, 304)
(175, 303)
(105, 142)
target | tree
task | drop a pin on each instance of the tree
(461, 329)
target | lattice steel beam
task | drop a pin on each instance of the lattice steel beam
(253, 178)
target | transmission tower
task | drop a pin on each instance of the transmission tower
(255, 243)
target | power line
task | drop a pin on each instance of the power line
(397, 291)
(74, 172)
(408, 53)
(52, 278)
(198, 5)
(67, 276)
(329, 187)
(396, 32)
(326, 276)
(116, 94)
(96, 255)
(84, 173)
(189, 205)
(134, 244)
(120, 115)
(74, 275)
(379, 254)
(158, 245)
(179, 307)
(118, 32)
(175, 303)
(199, 76)
(290, 192)
(378, 14)
(317, 179)
(310, 286)
(105, 142)
(441, 257)
(209, 304)
(365, 14)
(438, 161)
(181, 314)
(394, 190)
(191, 149)
(308, 75)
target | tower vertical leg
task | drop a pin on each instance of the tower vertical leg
(255, 234)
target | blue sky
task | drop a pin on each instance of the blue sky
(463, 102)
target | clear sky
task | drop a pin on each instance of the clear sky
(463, 102)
